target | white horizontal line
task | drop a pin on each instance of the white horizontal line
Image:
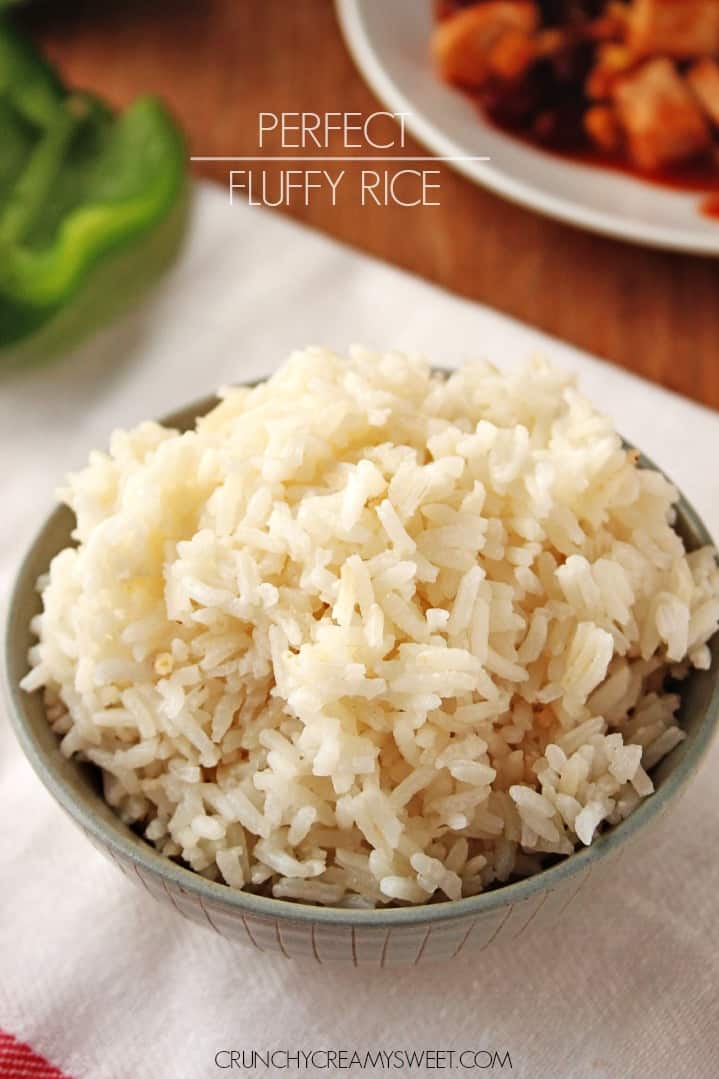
(310, 157)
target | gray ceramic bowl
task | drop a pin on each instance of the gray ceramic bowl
(407, 935)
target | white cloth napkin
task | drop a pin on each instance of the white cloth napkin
(107, 984)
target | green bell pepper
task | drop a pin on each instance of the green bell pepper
(92, 204)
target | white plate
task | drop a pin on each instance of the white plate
(389, 40)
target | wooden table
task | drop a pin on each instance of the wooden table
(220, 62)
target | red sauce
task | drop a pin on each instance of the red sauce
(700, 176)
(710, 207)
(546, 109)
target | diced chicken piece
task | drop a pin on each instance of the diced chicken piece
(468, 46)
(602, 126)
(512, 55)
(661, 118)
(679, 28)
(703, 78)
(612, 61)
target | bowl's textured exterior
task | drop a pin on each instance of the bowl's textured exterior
(398, 936)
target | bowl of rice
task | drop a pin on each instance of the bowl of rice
(368, 662)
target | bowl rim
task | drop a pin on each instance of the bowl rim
(122, 843)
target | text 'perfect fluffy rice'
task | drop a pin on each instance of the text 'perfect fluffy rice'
(370, 635)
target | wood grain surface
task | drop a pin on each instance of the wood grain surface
(220, 62)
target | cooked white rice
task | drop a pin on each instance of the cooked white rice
(370, 635)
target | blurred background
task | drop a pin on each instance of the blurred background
(217, 63)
